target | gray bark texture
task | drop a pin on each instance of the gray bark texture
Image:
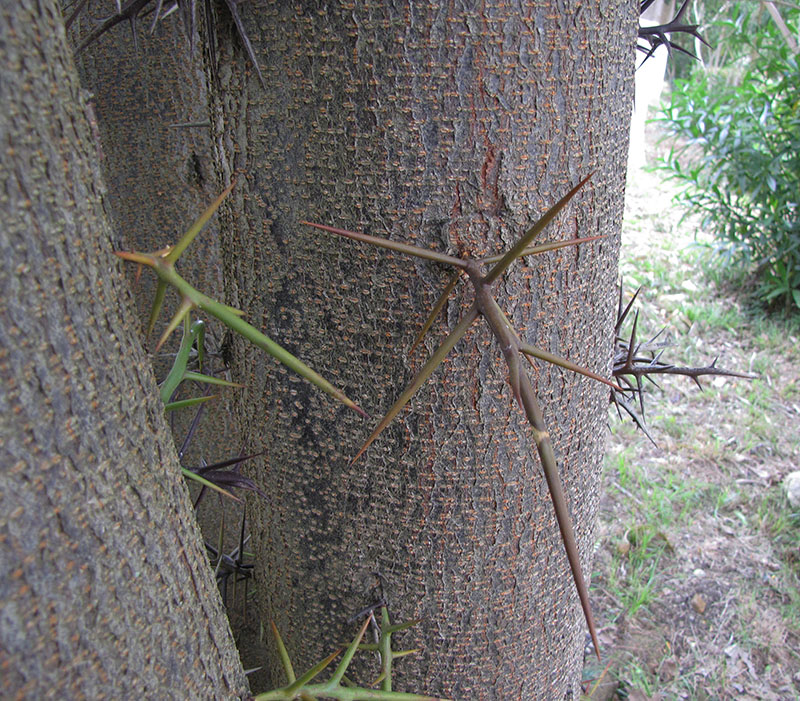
(159, 176)
(105, 589)
(453, 126)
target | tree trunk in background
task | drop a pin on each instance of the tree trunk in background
(452, 127)
(159, 177)
(105, 586)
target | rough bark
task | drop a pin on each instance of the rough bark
(159, 177)
(105, 586)
(453, 126)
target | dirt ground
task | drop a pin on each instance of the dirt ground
(696, 576)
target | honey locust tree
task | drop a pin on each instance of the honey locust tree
(105, 589)
(451, 126)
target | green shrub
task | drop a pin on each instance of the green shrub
(738, 126)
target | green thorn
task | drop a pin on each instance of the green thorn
(183, 310)
(185, 403)
(155, 310)
(197, 227)
(348, 655)
(285, 660)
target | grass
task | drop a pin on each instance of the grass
(697, 575)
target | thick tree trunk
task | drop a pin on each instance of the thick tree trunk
(105, 587)
(159, 176)
(150, 102)
(451, 126)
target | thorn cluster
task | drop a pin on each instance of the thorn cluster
(634, 361)
(339, 686)
(660, 35)
(513, 349)
(131, 10)
(163, 264)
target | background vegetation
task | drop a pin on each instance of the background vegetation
(735, 116)
(697, 574)
(697, 571)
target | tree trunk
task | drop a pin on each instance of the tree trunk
(159, 176)
(452, 127)
(105, 586)
(149, 98)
